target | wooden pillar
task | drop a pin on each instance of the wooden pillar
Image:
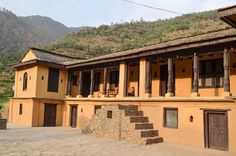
(148, 78)
(170, 78)
(226, 72)
(126, 79)
(104, 82)
(91, 83)
(80, 92)
(69, 83)
(195, 74)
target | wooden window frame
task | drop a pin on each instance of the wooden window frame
(213, 75)
(165, 118)
(53, 80)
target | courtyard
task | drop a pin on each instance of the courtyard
(67, 141)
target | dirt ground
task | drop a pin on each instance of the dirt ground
(24, 141)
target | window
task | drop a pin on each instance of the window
(114, 79)
(97, 79)
(171, 117)
(96, 107)
(53, 80)
(109, 114)
(25, 81)
(74, 80)
(211, 73)
(20, 109)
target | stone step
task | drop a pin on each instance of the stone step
(133, 113)
(128, 107)
(149, 133)
(139, 126)
(153, 140)
(134, 119)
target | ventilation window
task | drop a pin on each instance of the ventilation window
(20, 109)
(109, 114)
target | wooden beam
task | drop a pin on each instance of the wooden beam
(170, 76)
(148, 84)
(195, 72)
(104, 82)
(92, 82)
(80, 83)
(226, 70)
(69, 84)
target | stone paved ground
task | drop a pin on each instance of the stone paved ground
(66, 141)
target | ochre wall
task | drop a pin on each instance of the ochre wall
(183, 83)
(42, 84)
(27, 112)
(31, 85)
(38, 112)
(185, 133)
(233, 74)
(133, 78)
(33, 111)
(29, 56)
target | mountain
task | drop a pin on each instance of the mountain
(19, 33)
(118, 37)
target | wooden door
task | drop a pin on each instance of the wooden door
(50, 111)
(216, 130)
(163, 79)
(73, 116)
(86, 84)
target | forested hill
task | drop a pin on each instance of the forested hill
(19, 33)
(118, 37)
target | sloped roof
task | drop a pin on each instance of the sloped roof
(165, 47)
(228, 15)
(48, 56)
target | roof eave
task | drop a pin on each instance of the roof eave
(36, 62)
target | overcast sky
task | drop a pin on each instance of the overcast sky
(75, 13)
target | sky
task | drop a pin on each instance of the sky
(76, 13)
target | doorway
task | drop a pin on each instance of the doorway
(73, 116)
(216, 129)
(86, 84)
(50, 111)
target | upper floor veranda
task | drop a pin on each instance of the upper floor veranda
(193, 67)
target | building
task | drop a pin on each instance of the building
(186, 87)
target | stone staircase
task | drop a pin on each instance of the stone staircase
(142, 126)
(126, 123)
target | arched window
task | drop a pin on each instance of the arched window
(25, 81)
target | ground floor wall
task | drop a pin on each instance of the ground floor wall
(30, 112)
(189, 131)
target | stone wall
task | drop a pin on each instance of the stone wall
(3, 124)
(120, 122)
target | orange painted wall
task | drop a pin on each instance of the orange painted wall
(42, 84)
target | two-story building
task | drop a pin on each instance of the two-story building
(186, 87)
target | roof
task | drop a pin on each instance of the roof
(228, 15)
(48, 56)
(226, 35)
(204, 40)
